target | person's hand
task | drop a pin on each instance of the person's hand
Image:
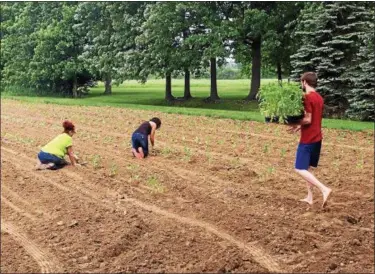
(77, 165)
(294, 129)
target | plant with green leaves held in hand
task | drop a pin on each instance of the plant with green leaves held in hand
(281, 101)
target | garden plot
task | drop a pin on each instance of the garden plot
(215, 195)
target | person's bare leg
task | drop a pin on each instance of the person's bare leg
(50, 165)
(309, 197)
(309, 177)
(135, 153)
(39, 164)
(44, 166)
(325, 196)
(141, 153)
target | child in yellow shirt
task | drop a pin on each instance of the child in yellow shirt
(52, 155)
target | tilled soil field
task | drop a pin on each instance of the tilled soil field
(216, 195)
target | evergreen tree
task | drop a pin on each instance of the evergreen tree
(329, 35)
(361, 74)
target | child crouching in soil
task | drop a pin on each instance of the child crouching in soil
(52, 155)
(140, 137)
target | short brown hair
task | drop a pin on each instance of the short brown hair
(311, 78)
(68, 126)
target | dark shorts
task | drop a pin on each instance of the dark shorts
(46, 158)
(308, 155)
(140, 140)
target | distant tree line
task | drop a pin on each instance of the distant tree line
(63, 47)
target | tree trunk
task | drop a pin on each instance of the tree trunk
(108, 84)
(213, 93)
(279, 73)
(187, 94)
(255, 70)
(75, 86)
(168, 87)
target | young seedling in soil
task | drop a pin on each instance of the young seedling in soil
(265, 148)
(209, 158)
(96, 161)
(342, 135)
(133, 167)
(283, 151)
(270, 170)
(134, 180)
(113, 171)
(155, 185)
(25, 140)
(108, 140)
(187, 156)
(336, 164)
(166, 151)
(361, 162)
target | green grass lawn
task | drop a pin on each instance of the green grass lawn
(150, 96)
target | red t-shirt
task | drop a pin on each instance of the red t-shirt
(313, 104)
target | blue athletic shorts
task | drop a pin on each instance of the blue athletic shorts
(140, 140)
(308, 155)
(46, 158)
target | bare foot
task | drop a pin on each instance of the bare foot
(44, 166)
(325, 196)
(306, 200)
(40, 166)
(50, 165)
(141, 154)
(136, 154)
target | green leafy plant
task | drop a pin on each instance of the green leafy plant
(133, 167)
(209, 158)
(270, 170)
(361, 162)
(283, 152)
(113, 170)
(155, 185)
(108, 140)
(96, 161)
(281, 101)
(188, 153)
(265, 148)
(166, 151)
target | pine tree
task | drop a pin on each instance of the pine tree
(351, 22)
(330, 33)
(308, 39)
(361, 76)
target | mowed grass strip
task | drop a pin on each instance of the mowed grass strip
(150, 96)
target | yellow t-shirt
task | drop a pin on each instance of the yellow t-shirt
(59, 145)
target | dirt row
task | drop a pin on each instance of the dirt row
(92, 231)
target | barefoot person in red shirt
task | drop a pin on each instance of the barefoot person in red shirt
(308, 151)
